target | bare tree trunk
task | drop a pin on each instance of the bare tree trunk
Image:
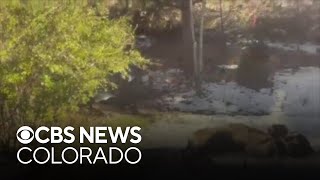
(187, 36)
(127, 5)
(298, 29)
(194, 42)
(193, 48)
(221, 16)
(200, 59)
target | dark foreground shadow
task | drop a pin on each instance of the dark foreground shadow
(233, 151)
(168, 164)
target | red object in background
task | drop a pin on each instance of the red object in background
(254, 21)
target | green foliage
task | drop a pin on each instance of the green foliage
(56, 58)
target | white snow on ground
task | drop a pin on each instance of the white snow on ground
(308, 48)
(224, 98)
(302, 90)
(293, 93)
(103, 96)
(294, 100)
(143, 42)
(169, 80)
(229, 67)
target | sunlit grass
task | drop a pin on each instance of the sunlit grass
(113, 120)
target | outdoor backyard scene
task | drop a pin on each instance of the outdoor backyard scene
(212, 83)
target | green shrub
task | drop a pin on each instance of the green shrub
(56, 58)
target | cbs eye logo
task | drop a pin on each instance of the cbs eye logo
(25, 134)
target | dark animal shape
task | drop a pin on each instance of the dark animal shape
(278, 130)
(232, 138)
(298, 145)
(239, 138)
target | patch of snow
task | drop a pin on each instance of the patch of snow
(143, 42)
(302, 90)
(104, 96)
(248, 41)
(169, 80)
(131, 78)
(229, 67)
(225, 98)
(145, 79)
(293, 93)
(308, 48)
